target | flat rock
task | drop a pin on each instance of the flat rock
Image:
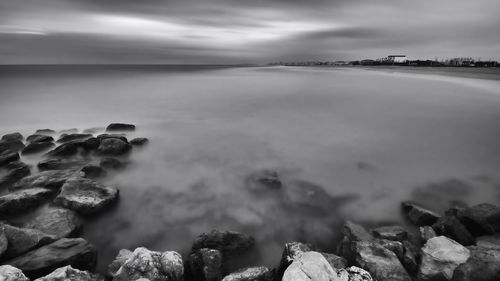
(483, 265)
(16, 171)
(440, 257)
(69, 273)
(85, 196)
(8, 158)
(47, 179)
(228, 242)
(10, 146)
(139, 141)
(13, 137)
(39, 138)
(451, 227)
(61, 164)
(120, 127)
(37, 147)
(113, 146)
(258, 273)
(18, 201)
(205, 265)
(56, 221)
(76, 252)
(393, 232)
(482, 219)
(73, 137)
(418, 215)
(22, 240)
(10, 273)
(45, 132)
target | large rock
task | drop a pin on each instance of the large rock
(47, 179)
(482, 219)
(259, 273)
(56, 221)
(228, 242)
(483, 265)
(37, 147)
(73, 137)
(16, 171)
(18, 201)
(93, 171)
(8, 158)
(120, 127)
(102, 137)
(13, 137)
(426, 233)
(61, 164)
(205, 265)
(393, 232)
(352, 233)
(113, 146)
(10, 273)
(451, 227)
(440, 257)
(143, 263)
(139, 141)
(85, 196)
(10, 146)
(22, 240)
(290, 252)
(39, 138)
(418, 214)
(46, 132)
(69, 273)
(69, 148)
(76, 252)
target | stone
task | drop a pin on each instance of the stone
(482, 219)
(451, 227)
(91, 143)
(4, 243)
(93, 171)
(354, 273)
(426, 233)
(395, 233)
(56, 221)
(13, 137)
(334, 260)
(263, 180)
(483, 265)
(111, 163)
(69, 148)
(17, 171)
(394, 246)
(73, 137)
(410, 257)
(113, 147)
(310, 266)
(440, 257)
(39, 138)
(228, 242)
(10, 273)
(22, 240)
(60, 164)
(68, 273)
(8, 158)
(45, 132)
(418, 215)
(258, 273)
(489, 241)
(37, 147)
(121, 137)
(139, 141)
(205, 265)
(21, 200)
(120, 127)
(75, 252)
(85, 196)
(10, 146)
(291, 251)
(351, 233)
(47, 179)
(143, 263)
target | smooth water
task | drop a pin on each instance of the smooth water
(368, 138)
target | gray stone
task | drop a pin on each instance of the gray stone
(410, 257)
(56, 221)
(483, 265)
(122, 137)
(73, 137)
(393, 232)
(291, 251)
(426, 233)
(47, 179)
(10, 273)
(120, 127)
(37, 147)
(13, 137)
(482, 219)
(16, 171)
(418, 214)
(205, 265)
(8, 158)
(22, 240)
(489, 241)
(18, 201)
(259, 273)
(93, 171)
(451, 227)
(68, 273)
(61, 164)
(113, 146)
(39, 138)
(10, 146)
(47, 132)
(228, 242)
(111, 163)
(139, 141)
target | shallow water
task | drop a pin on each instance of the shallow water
(368, 138)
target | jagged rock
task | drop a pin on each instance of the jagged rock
(22, 240)
(60, 164)
(482, 219)
(68, 149)
(451, 227)
(56, 221)
(3, 242)
(111, 163)
(440, 257)
(102, 137)
(139, 141)
(113, 146)
(352, 233)
(354, 273)
(10, 146)
(410, 257)
(17, 171)
(8, 158)
(228, 242)
(395, 232)
(76, 252)
(36, 147)
(426, 233)
(47, 179)
(69, 273)
(18, 201)
(73, 137)
(483, 265)
(394, 246)
(13, 137)
(120, 127)
(10, 273)
(93, 171)
(334, 260)
(39, 138)
(143, 263)
(291, 250)
(263, 180)
(489, 241)
(45, 132)
(259, 273)
(205, 265)
(419, 215)
(85, 196)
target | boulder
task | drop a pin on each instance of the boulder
(307, 195)
(85, 196)
(426, 233)
(73, 137)
(10, 273)
(394, 246)
(228, 242)
(440, 257)
(482, 219)
(56, 221)
(91, 143)
(102, 137)
(16, 171)
(351, 233)
(22, 240)
(47, 179)
(263, 180)
(291, 250)
(258, 273)
(143, 263)
(410, 257)
(10, 146)
(69, 148)
(334, 260)
(418, 215)
(354, 273)
(4, 243)
(120, 127)
(76, 252)
(111, 163)
(483, 265)
(39, 138)
(13, 137)
(205, 265)
(69, 131)
(37, 147)
(93, 171)
(395, 233)
(451, 227)
(489, 241)
(18, 201)
(69, 273)
(45, 132)
(113, 146)
(139, 141)
(8, 158)
(60, 164)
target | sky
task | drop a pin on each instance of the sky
(244, 31)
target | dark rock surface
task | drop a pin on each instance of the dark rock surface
(45, 132)
(258, 273)
(69, 273)
(93, 171)
(139, 141)
(56, 221)
(120, 127)
(113, 146)
(47, 179)
(111, 163)
(22, 240)
(426, 233)
(13, 137)
(410, 257)
(419, 215)
(451, 227)
(37, 147)
(8, 158)
(69, 148)
(482, 219)
(205, 265)
(10, 146)
(39, 138)
(393, 232)
(121, 137)
(16, 171)
(21, 200)
(60, 164)
(72, 137)
(483, 265)
(228, 242)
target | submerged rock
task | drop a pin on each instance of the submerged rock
(47, 179)
(8, 158)
(259, 273)
(120, 127)
(69, 273)
(205, 265)
(10, 146)
(17, 171)
(121, 137)
(73, 137)
(22, 240)
(451, 227)
(483, 265)
(37, 147)
(10, 273)
(139, 141)
(111, 163)
(18, 201)
(482, 219)
(13, 137)
(394, 232)
(56, 221)
(228, 242)
(39, 138)
(113, 146)
(419, 215)
(93, 171)
(68, 149)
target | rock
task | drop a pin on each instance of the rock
(228, 242)
(22, 240)
(91, 143)
(8, 158)
(17, 171)
(352, 233)
(395, 233)
(304, 194)
(143, 263)
(483, 265)
(60, 164)
(451, 227)
(334, 260)
(93, 171)
(76, 252)
(263, 180)
(120, 127)
(205, 265)
(426, 233)
(69, 273)
(47, 179)
(13, 137)
(56, 221)
(259, 273)
(489, 241)
(85, 196)
(482, 219)
(68, 149)
(410, 257)
(394, 246)
(73, 137)
(291, 251)
(10, 273)
(310, 266)
(419, 215)
(139, 141)
(440, 257)
(121, 137)
(37, 147)
(113, 146)
(39, 138)
(111, 163)
(69, 131)
(45, 132)
(10, 146)
(354, 273)
(21, 200)
(4, 243)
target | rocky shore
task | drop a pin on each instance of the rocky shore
(65, 189)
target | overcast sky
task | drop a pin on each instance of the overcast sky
(244, 31)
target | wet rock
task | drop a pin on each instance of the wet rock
(120, 127)
(228, 242)
(291, 251)
(8, 158)
(489, 241)
(259, 273)
(394, 246)
(21, 200)
(47, 179)
(3, 242)
(419, 215)
(410, 257)
(310, 266)
(426, 233)
(263, 180)
(69, 131)
(113, 146)
(334, 260)
(139, 141)
(143, 263)
(56, 221)
(352, 233)
(395, 233)
(45, 132)
(111, 163)
(85, 196)
(37, 147)
(93, 171)
(13, 137)
(91, 143)
(10, 273)
(10, 146)
(482, 219)
(483, 265)
(440, 257)
(39, 138)
(22, 240)
(73, 137)
(60, 164)
(121, 137)
(17, 171)
(205, 265)
(69, 273)
(451, 227)
(68, 149)
(76, 252)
